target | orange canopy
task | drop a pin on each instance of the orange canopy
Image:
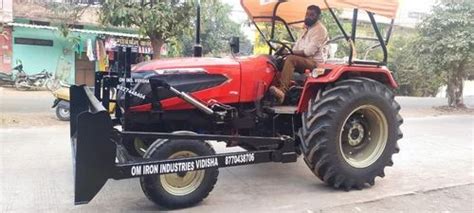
(294, 10)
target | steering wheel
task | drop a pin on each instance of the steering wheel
(279, 51)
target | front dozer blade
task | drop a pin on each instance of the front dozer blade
(93, 150)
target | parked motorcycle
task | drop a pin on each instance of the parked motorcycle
(25, 82)
(8, 79)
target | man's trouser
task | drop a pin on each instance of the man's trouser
(294, 63)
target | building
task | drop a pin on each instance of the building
(31, 34)
(6, 16)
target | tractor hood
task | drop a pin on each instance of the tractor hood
(185, 63)
(217, 79)
(205, 78)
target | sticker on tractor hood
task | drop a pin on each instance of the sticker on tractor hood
(180, 71)
(134, 80)
(130, 91)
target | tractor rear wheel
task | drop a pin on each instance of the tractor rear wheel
(350, 132)
(184, 189)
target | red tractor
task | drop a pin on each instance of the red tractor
(341, 117)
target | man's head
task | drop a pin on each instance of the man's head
(312, 15)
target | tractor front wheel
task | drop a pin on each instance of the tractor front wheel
(179, 190)
(350, 132)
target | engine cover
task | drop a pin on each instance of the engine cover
(225, 80)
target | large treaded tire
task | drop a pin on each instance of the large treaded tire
(323, 125)
(155, 189)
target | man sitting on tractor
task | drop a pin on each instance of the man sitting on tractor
(307, 52)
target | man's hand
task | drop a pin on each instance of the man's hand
(284, 51)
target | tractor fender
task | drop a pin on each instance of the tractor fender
(337, 72)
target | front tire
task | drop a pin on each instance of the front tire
(21, 84)
(179, 190)
(350, 132)
(137, 146)
(62, 112)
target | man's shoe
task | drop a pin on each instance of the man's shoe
(278, 94)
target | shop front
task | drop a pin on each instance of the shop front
(104, 51)
(42, 48)
(141, 48)
(72, 60)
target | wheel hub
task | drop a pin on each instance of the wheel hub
(363, 136)
(181, 174)
(182, 183)
(23, 83)
(356, 134)
(64, 112)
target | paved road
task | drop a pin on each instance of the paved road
(25, 101)
(433, 172)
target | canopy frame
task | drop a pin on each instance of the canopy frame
(349, 38)
(277, 18)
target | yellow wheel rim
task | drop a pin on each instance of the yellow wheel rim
(363, 136)
(180, 184)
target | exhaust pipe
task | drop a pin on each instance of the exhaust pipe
(192, 101)
(197, 45)
(154, 82)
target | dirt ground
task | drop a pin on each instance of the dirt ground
(20, 120)
(20, 109)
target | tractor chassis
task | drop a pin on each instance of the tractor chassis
(99, 155)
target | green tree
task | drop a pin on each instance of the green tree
(412, 79)
(216, 30)
(446, 45)
(160, 20)
(280, 34)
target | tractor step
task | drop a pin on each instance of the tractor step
(288, 110)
